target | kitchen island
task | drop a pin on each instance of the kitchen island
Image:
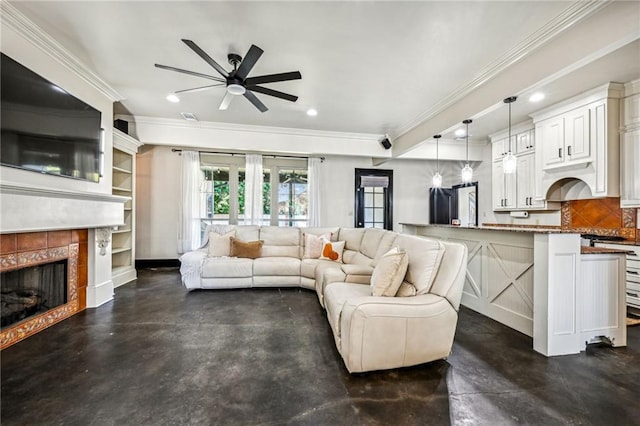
(541, 282)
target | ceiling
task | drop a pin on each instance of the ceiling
(367, 67)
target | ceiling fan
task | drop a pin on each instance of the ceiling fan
(236, 81)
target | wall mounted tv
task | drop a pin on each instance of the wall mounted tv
(44, 128)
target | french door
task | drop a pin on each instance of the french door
(374, 199)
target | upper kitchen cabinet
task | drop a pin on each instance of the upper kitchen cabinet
(577, 146)
(630, 146)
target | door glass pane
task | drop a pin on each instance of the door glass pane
(292, 198)
(368, 199)
(368, 214)
(379, 200)
(378, 215)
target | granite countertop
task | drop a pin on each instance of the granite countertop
(539, 230)
(600, 250)
(622, 243)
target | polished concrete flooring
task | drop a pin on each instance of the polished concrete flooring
(158, 355)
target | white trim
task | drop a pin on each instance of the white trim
(99, 294)
(23, 189)
(15, 20)
(211, 125)
(568, 18)
(124, 142)
(631, 88)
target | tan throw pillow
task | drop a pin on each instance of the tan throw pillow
(389, 273)
(313, 245)
(220, 245)
(249, 249)
(332, 250)
(406, 290)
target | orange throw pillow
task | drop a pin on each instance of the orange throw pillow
(332, 250)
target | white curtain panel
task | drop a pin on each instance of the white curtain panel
(314, 191)
(189, 227)
(253, 190)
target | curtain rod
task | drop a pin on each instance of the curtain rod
(242, 154)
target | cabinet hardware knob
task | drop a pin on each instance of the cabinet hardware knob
(569, 150)
(633, 272)
(559, 152)
(632, 294)
(632, 253)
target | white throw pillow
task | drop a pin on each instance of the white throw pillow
(406, 290)
(332, 250)
(220, 245)
(313, 245)
(389, 273)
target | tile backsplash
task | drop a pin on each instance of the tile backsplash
(602, 216)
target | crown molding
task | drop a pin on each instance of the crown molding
(569, 17)
(211, 125)
(14, 19)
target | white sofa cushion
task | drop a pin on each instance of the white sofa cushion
(220, 245)
(248, 232)
(227, 267)
(352, 237)
(276, 266)
(371, 241)
(425, 256)
(389, 273)
(280, 241)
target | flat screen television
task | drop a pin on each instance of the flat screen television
(44, 128)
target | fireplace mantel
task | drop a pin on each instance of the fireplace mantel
(27, 208)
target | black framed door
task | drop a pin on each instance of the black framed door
(374, 199)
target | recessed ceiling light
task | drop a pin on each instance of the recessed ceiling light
(536, 97)
(312, 112)
(460, 132)
(172, 97)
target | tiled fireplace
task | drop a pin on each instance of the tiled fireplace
(44, 280)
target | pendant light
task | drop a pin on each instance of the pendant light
(437, 177)
(467, 171)
(509, 162)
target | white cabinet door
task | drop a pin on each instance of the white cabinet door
(551, 141)
(526, 183)
(525, 142)
(504, 188)
(497, 186)
(630, 169)
(577, 135)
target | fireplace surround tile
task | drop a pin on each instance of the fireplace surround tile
(30, 241)
(8, 243)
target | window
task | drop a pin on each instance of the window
(284, 191)
(292, 197)
(374, 198)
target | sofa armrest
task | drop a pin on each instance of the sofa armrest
(191, 268)
(378, 333)
(358, 274)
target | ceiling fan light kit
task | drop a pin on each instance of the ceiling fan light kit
(237, 81)
(510, 161)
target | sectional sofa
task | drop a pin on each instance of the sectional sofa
(415, 326)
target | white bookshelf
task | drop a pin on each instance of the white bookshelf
(123, 253)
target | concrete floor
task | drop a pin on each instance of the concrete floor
(158, 355)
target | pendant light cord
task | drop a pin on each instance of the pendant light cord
(509, 126)
(467, 138)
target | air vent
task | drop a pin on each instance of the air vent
(189, 116)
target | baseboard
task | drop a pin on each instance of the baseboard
(157, 263)
(99, 294)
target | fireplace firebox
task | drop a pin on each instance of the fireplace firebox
(31, 291)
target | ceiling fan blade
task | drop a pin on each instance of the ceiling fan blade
(248, 62)
(198, 89)
(255, 101)
(273, 78)
(272, 92)
(226, 101)
(208, 59)
(196, 74)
